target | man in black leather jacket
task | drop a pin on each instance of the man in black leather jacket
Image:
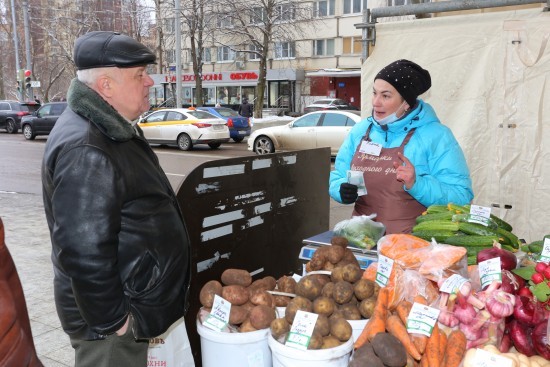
(121, 251)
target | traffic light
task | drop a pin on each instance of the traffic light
(28, 79)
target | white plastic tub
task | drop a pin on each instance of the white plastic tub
(284, 356)
(357, 327)
(234, 349)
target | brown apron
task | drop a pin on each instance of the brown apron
(394, 207)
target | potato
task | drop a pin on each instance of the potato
(319, 258)
(341, 329)
(236, 277)
(389, 349)
(366, 307)
(295, 304)
(351, 273)
(309, 287)
(335, 254)
(315, 342)
(343, 291)
(235, 294)
(206, 295)
(350, 311)
(376, 290)
(271, 282)
(330, 341)
(237, 315)
(327, 290)
(328, 266)
(286, 284)
(337, 274)
(281, 301)
(349, 258)
(337, 314)
(261, 297)
(279, 327)
(324, 306)
(247, 327)
(261, 316)
(339, 241)
(365, 356)
(262, 284)
(321, 278)
(363, 288)
(322, 325)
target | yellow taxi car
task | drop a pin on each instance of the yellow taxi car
(184, 127)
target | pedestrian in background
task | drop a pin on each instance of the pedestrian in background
(246, 109)
(120, 251)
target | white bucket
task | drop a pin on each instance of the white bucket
(234, 349)
(284, 356)
(357, 327)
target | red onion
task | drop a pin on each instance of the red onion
(510, 283)
(528, 311)
(520, 335)
(508, 260)
(540, 339)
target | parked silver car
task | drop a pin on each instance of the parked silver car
(329, 104)
(313, 130)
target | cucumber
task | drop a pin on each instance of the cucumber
(476, 229)
(439, 236)
(499, 222)
(440, 225)
(458, 209)
(471, 241)
(535, 247)
(436, 209)
(508, 238)
(446, 215)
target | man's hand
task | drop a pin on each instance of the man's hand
(405, 171)
(348, 193)
(124, 327)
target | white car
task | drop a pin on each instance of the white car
(329, 104)
(313, 130)
(184, 127)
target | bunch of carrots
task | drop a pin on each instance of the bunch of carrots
(437, 350)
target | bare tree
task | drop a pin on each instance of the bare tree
(257, 25)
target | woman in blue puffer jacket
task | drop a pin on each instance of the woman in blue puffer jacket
(408, 158)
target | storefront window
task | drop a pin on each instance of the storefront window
(229, 95)
(208, 95)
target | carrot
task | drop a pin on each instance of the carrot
(397, 329)
(424, 361)
(403, 309)
(377, 321)
(432, 348)
(442, 345)
(420, 341)
(455, 349)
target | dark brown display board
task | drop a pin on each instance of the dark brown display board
(252, 213)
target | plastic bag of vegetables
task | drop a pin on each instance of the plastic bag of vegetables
(361, 231)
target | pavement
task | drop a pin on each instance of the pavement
(27, 238)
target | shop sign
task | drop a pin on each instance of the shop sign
(225, 76)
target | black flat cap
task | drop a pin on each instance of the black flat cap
(408, 78)
(106, 49)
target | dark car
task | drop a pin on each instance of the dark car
(42, 121)
(11, 113)
(329, 104)
(239, 126)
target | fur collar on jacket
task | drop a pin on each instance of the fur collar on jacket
(88, 103)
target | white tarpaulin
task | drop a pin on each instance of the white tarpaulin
(491, 85)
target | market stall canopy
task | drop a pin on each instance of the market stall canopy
(490, 86)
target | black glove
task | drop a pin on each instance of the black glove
(348, 193)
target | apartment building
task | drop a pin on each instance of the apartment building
(322, 60)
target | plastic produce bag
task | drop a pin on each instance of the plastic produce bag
(360, 231)
(171, 349)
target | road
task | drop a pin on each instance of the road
(21, 160)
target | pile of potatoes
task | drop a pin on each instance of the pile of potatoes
(343, 295)
(252, 306)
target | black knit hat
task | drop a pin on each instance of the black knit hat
(408, 78)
